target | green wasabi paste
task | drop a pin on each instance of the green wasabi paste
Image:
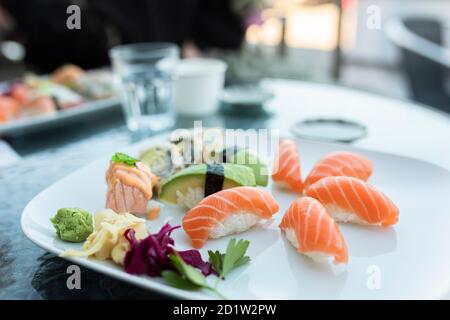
(72, 224)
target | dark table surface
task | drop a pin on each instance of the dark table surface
(29, 272)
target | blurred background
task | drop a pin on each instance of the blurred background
(396, 48)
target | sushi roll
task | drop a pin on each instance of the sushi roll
(158, 159)
(95, 85)
(61, 95)
(129, 184)
(286, 170)
(313, 232)
(228, 212)
(198, 145)
(187, 187)
(39, 105)
(8, 108)
(20, 92)
(341, 163)
(352, 200)
(67, 75)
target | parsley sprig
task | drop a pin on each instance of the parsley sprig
(119, 157)
(187, 277)
(224, 263)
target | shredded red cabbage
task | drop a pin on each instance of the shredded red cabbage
(194, 258)
(151, 255)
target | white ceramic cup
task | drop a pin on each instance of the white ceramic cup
(198, 85)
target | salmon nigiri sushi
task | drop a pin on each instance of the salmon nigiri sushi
(228, 212)
(8, 108)
(311, 230)
(340, 163)
(286, 169)
(352, 200)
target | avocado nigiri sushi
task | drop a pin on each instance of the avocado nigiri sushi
(190, 185)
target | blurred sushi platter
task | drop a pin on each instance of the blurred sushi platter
(36, 102)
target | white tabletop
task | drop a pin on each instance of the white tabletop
(394, 126)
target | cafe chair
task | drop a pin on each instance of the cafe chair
(425, 61)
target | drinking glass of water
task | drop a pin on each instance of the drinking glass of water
(145, 73)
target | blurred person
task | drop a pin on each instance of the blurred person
(195, 25)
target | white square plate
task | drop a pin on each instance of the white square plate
(408, 261)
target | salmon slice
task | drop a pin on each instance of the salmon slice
(309, 227)
(227, 212)
(20, 92)
(39, 105)
(129, 187)
(8, 108)
(349, 199)
(341, 163)
(286, 170)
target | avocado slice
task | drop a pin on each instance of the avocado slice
(248, 159)
(195, 176)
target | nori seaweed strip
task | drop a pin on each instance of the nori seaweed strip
(193, 151)
(215, 176)
(228, 152)
(56, 102)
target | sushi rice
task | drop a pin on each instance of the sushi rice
(316, 256)
(235, 223)
(190, 198)
(340, 215)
